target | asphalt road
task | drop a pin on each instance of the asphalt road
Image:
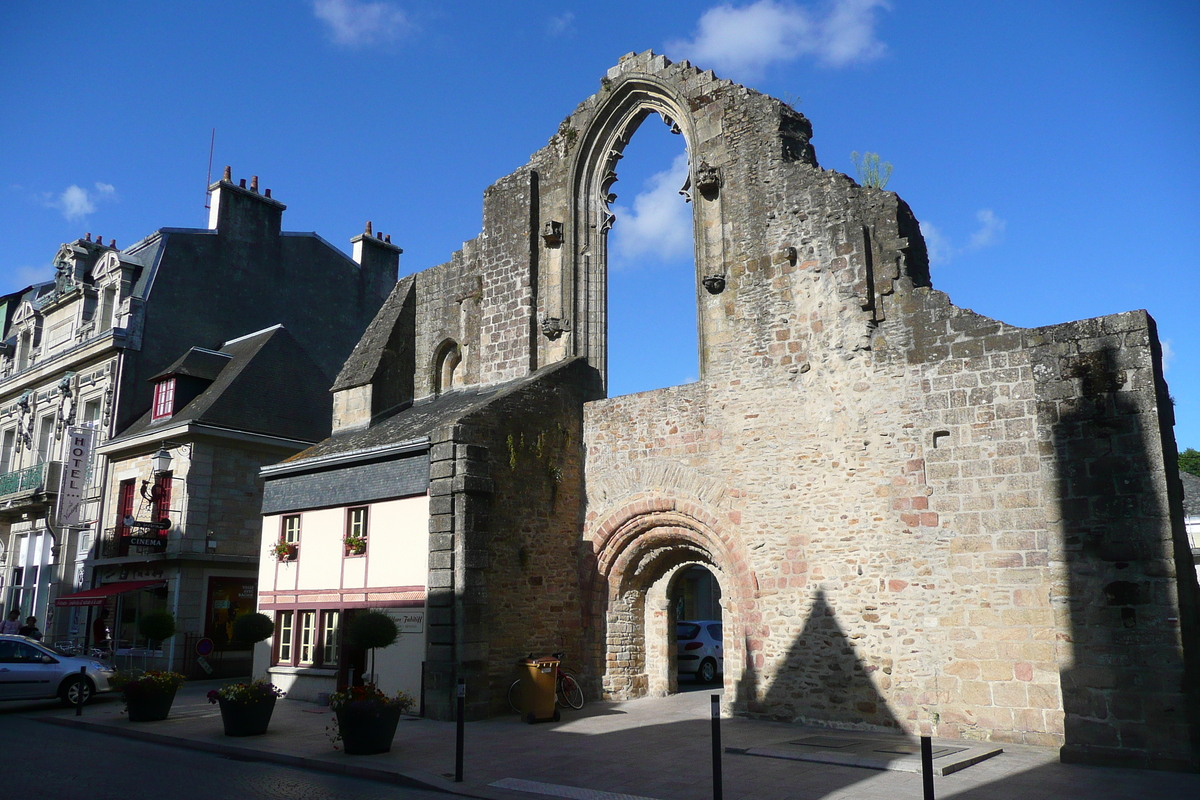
(56, 763)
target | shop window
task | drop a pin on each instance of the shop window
(330, 634)
(284, 627)
(164, 399)
(356, 531)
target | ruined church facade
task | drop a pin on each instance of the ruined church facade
(919, 517)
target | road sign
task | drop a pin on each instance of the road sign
(204, 665)
(204, 647)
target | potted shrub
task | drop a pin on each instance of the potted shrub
(355, 545)
(246, 707)
(148, 697)
(366, 718)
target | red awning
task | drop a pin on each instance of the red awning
(97, 596)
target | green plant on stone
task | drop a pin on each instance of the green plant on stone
(871, 171)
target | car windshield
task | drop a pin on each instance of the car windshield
(58, 651)
(686, 630)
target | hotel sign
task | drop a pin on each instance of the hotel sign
(76, 462)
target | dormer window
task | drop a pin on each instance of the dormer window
(164, 399)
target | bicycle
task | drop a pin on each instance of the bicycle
(567, 690)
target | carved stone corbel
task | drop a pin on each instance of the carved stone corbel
(708, 180)
(554, 327)
(714, 284)
(552, 233)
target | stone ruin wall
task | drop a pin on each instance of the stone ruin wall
(907, 504)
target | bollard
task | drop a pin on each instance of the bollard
(79, 694)
(716, 746)
(927, 766)
(458, 734)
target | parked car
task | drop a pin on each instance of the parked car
(699, 649)
(33, 670)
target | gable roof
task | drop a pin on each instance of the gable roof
(364, 360)
(267, 384)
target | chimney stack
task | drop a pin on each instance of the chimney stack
(241, 212)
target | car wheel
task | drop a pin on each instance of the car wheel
(73, 688)
(707, 672)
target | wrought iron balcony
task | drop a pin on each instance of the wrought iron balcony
(27, 489)
(120, 542)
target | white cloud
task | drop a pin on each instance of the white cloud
(75, 202)
(1168, 354)
(942, 251)
(745, 41)
(991, 230)
(562, 24)
(659, 225)
(353, 23)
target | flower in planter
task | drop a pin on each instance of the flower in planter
(254, 692)
(361, 703)
(149, 683)
(283, 551)
(355, 545)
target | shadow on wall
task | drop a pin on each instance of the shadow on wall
(822, 681)
(1126, 694)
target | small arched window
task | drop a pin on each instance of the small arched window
(447, 367)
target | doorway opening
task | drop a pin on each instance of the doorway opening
(652, 294)
(695, 601)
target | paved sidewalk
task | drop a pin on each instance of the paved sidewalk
(653, 748)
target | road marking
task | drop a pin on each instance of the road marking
(555, 790)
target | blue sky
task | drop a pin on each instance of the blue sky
(1049, 149)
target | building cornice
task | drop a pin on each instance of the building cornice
(338, 459)
(192, 430)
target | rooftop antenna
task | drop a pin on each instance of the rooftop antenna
(208, 181)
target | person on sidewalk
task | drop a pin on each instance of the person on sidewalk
(31, 629)
(13, 623)
(100, 636)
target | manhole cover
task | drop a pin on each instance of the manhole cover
(825, 741)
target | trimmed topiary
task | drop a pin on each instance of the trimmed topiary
(370, 630)
(157, 625)
(252, 628)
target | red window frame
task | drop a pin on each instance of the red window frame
(164, 399)
(162, 497)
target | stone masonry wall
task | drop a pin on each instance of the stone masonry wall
(921, 517)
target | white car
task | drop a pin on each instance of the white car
(698, 649)
(33, 670)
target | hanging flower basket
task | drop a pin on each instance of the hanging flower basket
(246, 708)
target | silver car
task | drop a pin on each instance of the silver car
(699, 650)
(33, 670)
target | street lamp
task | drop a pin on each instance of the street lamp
(161, 462)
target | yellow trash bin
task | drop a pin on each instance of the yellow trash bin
(538, 687)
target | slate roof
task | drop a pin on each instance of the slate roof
(268, 385)
(363, 362)
(422, 417)
(197, 363)
(1191, 494)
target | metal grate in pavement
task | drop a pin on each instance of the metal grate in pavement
(555, 790)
